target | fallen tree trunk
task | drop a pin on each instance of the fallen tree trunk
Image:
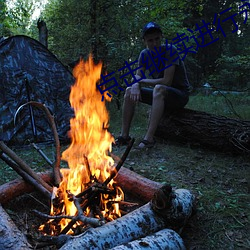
(150, 218)
(10, 237)
(163, 239)
(212, 131)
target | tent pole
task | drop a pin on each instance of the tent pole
(33, 125)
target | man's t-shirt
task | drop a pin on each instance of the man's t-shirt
(157, 62)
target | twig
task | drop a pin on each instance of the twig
(120, 163)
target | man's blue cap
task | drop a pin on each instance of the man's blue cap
(150, 26)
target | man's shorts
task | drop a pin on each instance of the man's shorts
(174, 100)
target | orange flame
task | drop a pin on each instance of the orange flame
(90, 138)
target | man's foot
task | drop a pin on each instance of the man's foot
(146, 144)
(122, 141)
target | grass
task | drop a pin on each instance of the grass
(219, 180)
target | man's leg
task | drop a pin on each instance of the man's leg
(128, 110)
(157, 111)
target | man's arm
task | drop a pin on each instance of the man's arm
(166, 80)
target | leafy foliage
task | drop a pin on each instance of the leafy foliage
(111, 31)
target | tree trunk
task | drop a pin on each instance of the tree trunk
(212, 131)
(10, 237)
(43, 32)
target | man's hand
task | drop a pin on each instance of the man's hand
(135, 93)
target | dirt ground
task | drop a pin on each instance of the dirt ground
(220, 182)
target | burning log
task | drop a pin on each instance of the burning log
(10, 237)
(140, 187)
(165, 210)
(163, 239)
(216, 132)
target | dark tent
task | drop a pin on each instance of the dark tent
(29, 71)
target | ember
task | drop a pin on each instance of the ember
(87, 188)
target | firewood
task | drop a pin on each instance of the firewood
(150, 218)
(136, 185)
(10, 237)
(161, 240)
(18, 187)
(132, 183)
(13, 156)
(26, 176)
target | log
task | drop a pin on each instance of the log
(136, 185)
(211, 131)
(22, 164)
(150, 218)
(163, 239)
(18, 187)
(10, 237)
(131, 182)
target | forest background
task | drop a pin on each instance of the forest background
(111, 31)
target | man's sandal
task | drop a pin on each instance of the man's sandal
(146, 144)
(121, 141)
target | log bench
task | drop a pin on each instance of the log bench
(208, 130)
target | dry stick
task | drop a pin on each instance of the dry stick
(25, 176)
(57, 174)
(85, 205)
(112, 175)
(120, 163)
(24, 166)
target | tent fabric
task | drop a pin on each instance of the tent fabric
(30, 72)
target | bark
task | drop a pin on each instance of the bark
(150, 218)
(43, 32)
(18, 187)
(23, 165)
(163, 239)
(10, 237)
(212, 131)
(140, 187)
(136, 185)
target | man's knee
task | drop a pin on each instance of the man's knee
(159, 91)
(127, 92)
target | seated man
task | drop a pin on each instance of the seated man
(168, 89)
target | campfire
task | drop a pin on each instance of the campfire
(87, 188)
(87, 198)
